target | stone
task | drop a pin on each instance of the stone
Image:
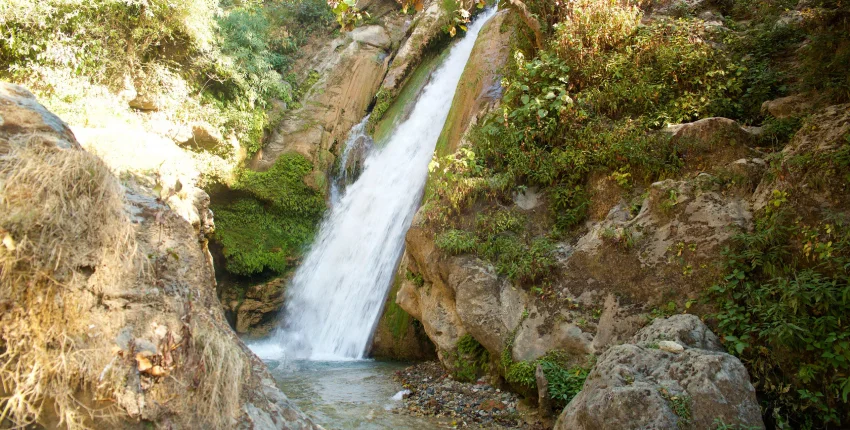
(535, 337)
(632, 386)
(544, 402)
(374, 35)
(670, 346)
(683, 329)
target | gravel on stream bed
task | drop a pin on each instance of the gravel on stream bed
(432, 392)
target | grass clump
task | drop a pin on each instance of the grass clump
(270, 220)
(527, 261)
(456, 242)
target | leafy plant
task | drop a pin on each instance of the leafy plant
(782, 310)
(472, 359)
(456, 242)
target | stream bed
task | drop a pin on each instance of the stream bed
(356, 394)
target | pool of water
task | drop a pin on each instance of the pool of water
(357, 394)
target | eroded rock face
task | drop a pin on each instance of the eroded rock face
(137, 298)
(350, 70)
(255, 314)
(638, 385)
(425, 28)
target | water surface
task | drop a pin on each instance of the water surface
(357, 394)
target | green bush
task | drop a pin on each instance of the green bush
(564, 381)
(783, 308)
(564, 384)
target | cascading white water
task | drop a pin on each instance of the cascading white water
(359, 141)
(336, 296)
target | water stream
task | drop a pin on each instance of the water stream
(335, 298)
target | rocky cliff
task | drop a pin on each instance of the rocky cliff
(110, 316)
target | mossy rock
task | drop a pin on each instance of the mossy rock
(266, 219)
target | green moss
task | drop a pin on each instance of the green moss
(397, 318)
(283, 186)
(271, 220)
(256, 237)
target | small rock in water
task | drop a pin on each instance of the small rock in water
(670, 346)
(401, 395)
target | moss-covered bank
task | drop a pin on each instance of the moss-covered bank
(266, 219)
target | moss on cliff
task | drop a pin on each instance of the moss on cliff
(267, 218)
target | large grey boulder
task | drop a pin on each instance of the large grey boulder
(642, 385)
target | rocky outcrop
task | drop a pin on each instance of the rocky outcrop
(673, 374)
(350, 68)
(668, 242)
(424, 29)
(255, 314)
(108, 298)
(811, 167)
(398, 335)
(20, 113)
(479, 88)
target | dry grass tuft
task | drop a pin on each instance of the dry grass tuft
(64, 237)
(223, 369)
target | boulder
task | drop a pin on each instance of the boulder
(255, 313)
(489, 308)
(796, 105)
(373, 35)
(639, 385)
(22, 116)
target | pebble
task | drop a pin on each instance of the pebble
(471, 405)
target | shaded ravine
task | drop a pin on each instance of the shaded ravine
(335, 298)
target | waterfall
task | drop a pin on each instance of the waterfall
(335, 298)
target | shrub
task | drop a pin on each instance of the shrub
(564, 384)
(782, 310)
